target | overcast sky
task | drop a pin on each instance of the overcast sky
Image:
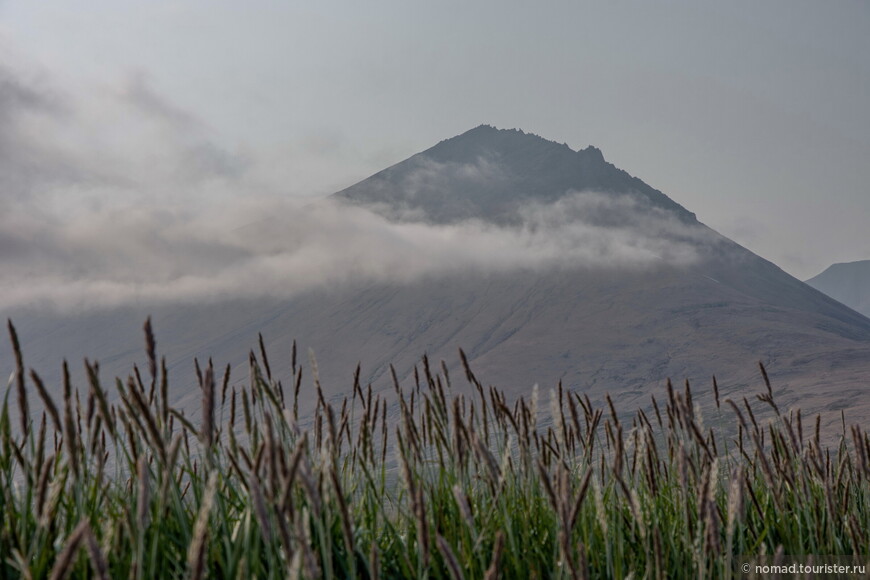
(754, 115)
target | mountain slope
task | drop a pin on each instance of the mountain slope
(847, 282)
(620, 327)
(491, 175)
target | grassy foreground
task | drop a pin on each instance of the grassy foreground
(427, 485)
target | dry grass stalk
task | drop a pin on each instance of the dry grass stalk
(70, 435)
(419, 506)
(492, 571)
(309, 559)
(716, 391)
(450, 559)
(65, 561)
(264, 356)
(103, 406)
(142, 498)
(260, 511)
(47, 400)
(196, 550)
(344, 513)
(19, 380)
(311, 489)
(374, 562)
(735, 503)
(150, 349)
(206, 433)
(151, 431)
(42, 489)
(464, 506)
(98, 561)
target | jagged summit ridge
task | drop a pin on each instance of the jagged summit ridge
(488, 173)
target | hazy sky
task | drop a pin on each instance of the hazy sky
(754, 115)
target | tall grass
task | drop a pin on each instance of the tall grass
(423, 483)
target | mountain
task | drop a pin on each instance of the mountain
(847, 282)
(488, 173)
(644, 292)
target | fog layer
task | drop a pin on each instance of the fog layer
(118, 196)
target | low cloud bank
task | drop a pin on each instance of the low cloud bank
(174, 254)
(123, 197)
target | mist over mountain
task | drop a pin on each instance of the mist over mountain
(543, 263)
(847, 282)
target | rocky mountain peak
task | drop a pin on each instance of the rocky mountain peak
(488, 174)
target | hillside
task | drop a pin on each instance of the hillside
(847, 282)
(640, 291)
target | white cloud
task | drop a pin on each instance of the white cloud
(194, 254)
(120, 196)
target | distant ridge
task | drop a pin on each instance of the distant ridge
(488, 173)
(847, 282)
